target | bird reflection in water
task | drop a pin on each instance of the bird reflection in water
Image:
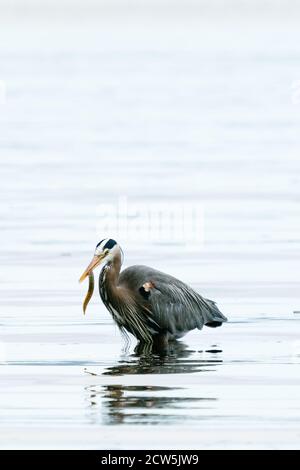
(153, 404)
(170, 359)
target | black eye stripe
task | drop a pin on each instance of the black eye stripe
(108, 245)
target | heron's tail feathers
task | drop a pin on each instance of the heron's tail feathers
(214, 324)
(214, 318)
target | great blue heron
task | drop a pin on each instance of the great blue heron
(147, 303)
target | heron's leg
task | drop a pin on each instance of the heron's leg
(161, 341)
(158, 346)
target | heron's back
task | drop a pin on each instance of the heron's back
(174, 304)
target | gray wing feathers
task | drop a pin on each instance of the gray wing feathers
(182, 308)
(174, 305)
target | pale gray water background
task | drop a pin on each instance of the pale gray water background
(170, 104)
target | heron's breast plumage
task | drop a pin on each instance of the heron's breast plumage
(125, 310)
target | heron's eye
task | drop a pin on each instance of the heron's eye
(106, 251)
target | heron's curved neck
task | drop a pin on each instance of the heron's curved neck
(113, 270)
(109, 277)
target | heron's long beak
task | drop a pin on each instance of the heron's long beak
(93, 264)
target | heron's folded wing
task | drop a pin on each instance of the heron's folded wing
(176, 307)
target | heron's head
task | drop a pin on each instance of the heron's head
(105, 251)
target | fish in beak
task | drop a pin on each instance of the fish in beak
(97, 259)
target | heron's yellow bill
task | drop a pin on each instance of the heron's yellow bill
(93, 264)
